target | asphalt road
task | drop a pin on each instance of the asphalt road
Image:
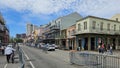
(38, 59)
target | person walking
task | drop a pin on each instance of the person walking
(99, 48)
(2, 48)
(9, 51)
(111, 46)
(103, 48)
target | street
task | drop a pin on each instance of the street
(38, 59)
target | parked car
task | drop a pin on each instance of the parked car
(51, 48)
(56, 47)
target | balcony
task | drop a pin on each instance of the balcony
(71, 34)
(2, 27)
(55, 28)
(99, 31)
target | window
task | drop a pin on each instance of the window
(85, 25)
(69, 33)
(101, 26)
(114, 27)
(73, 32)
(79, 27)
(108, 27)
(94, 24)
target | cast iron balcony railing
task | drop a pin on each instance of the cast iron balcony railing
(99, 31)
(55, 28)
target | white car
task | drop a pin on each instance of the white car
(50, 47)
(56, 47)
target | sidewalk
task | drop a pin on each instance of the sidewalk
(16, 64)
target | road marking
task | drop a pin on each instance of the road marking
(5, 66)
(28, 59)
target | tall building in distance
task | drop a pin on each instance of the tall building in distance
(35, 27)
(22, 36)
(29, 29)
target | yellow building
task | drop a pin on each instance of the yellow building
(35, 35)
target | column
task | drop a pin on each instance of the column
(75, 47)
(116, 43)
(76, 39)
(108, 40)
(67, 44)
(60, 45)
(83, 43)
(89, 43)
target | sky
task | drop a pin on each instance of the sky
(17, 13)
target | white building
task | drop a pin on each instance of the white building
(116, 17)
(65, 22)
(29, 29)
(35, 27)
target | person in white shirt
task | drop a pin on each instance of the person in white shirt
(9, 52)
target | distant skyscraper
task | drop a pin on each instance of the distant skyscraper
(35, 27)
(29, 29)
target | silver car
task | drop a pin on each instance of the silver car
(51, 48)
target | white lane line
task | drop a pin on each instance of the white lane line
(28, 59)
(5, 66)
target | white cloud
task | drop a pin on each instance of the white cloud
(102, 8)
(36, 6)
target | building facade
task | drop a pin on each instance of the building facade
(56, 30)
(29, 29)
(116, 17)
(92, 31)
(65, 22)
(71, 39)
(41, 31)
(4, 32)
(22, 36)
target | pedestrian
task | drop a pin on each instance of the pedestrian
(79, 48)
(99, 48)
(102, 48)
(9, 52)
(2, 48)
(111, 46)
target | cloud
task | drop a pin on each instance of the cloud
(36, 6)
(102, 8)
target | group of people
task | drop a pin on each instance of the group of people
(8, 51)
(102, 48)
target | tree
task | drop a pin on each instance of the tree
(11, 40)
(18, 40)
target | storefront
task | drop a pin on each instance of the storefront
(91, 41)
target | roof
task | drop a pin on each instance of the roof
(98, 18)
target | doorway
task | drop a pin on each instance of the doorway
(86, 44)
(92, 43)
